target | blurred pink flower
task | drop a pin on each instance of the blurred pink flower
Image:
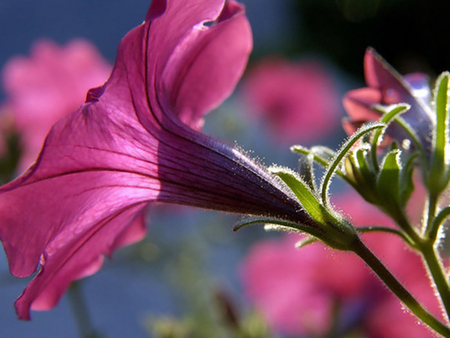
(297, 290)
(134, 142)
(298, 100)
(49, 84)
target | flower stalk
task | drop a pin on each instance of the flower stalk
(399, 290)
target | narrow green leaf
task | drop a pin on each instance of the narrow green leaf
(399, 233)
(282, 225)
(305, 241)
(389, 114)
(322, 156)
(303, 192)
(324, 152)
(343, 151)
(279, 228)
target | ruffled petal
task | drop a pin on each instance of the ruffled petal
(203, 70)
(72, 256)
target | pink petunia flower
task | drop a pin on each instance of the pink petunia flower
(299, 290)
(298, 100)
(136, 141)
(49, 84)
(386, 87)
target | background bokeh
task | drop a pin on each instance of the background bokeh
(191, 256)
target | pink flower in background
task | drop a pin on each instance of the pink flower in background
(135, 141)
(386, 87)
(49, 84)
(297, 290)
(298, 100)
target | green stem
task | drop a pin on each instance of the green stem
(430, 254)
(437, 223)
(399, 216)
(436, 269)
(399, 290)
(430, 231)
(81, 312)
(401, 234)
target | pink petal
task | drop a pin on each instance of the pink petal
(358, 104)
(126, 147)
(72, 256)
(198, 80)
(394, 89)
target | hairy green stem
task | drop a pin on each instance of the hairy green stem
(431, 213)
(435, 226)
(430, 254)
(399, 216)
(436, 270)
(399, 290)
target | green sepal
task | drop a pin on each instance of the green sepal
(388, 180)
(306, 170)
(406, 180)
(439, 173)
(334, 230)
(364, 165)
(359, 164)
(302, 190)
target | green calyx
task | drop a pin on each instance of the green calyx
(332, 228)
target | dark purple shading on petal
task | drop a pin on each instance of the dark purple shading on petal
(387, 87)
(134, 142)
